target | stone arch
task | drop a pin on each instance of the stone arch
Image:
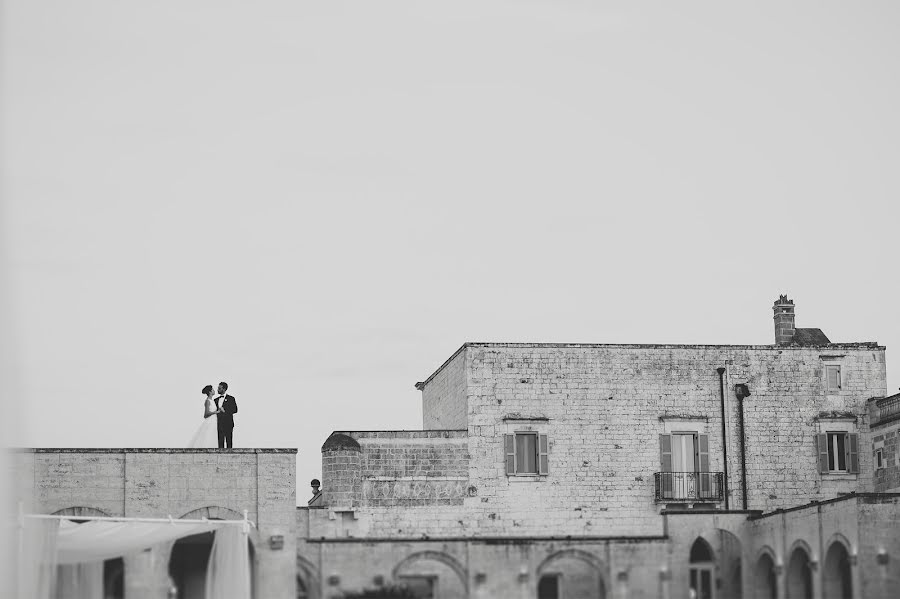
(82, 511)
(701, 551)
(765, 576)
(837, 577)
(427, 565)
(114, 568)
(187, 558)
(799, 571)
(212, 512)
(576, 574)
(308, 577)
(701, 568)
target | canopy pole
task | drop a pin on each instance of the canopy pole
(244, 522)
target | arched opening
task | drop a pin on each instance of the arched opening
(188, 563)
(729, 575)
(571, 574)
(836, 580)
(431, 575)
(113, 572)
(765, 579)
(302, 592)
(799, 575)
(701, 575)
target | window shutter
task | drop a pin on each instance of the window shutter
(543, 451)
(510, 454)
(703, 451)
(665, 453)
(852, 453)
(665, 465)
(823, 451)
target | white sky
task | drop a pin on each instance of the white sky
(319, 202)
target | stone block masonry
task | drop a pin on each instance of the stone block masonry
(603, 408)
(182, 483)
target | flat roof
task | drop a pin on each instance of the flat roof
(151, 450)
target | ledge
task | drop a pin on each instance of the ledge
(487, 540)
(149, 450)
(865, 497)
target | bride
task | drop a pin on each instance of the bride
(207, 435)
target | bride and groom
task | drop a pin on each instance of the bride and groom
(220, 428)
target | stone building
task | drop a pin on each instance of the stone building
(595, 470)
(549, 471)
(181, 483)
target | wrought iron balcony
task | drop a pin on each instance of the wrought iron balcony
(689, 487)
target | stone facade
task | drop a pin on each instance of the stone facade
(884, 414)
(182, 483)
(788, 426)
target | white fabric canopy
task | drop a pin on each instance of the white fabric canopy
(64, 560)
(37, 561)
(101, 540)
(228, 572)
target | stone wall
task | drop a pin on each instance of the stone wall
(173, 482)
(444, 396)
(887, 439)
(489, 568)
(604, 407)
(885, 421)
(404, 468)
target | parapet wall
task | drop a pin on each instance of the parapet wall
(396, 468)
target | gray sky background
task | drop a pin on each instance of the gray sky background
(319, 202)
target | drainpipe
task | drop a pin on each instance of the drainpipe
(741, 390)
(721, 372)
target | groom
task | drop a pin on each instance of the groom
(224, 418)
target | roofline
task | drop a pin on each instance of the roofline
(490, 540)
(849, 496)
(148, 450)
(860, 345)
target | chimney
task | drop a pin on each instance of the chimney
(784, 320)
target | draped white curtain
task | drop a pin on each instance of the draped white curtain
(37, 561)
(79, 581)
(64, 560)
(228, 572)
(100, 540)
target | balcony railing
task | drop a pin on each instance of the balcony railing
(888, 408)
(689, 487)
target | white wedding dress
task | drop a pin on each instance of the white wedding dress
(207, 435)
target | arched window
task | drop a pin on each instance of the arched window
(702, 570)
(837, 583)
(765, 581)
(302, 593)
(799, 575)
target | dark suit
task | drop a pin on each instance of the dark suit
(225, 421)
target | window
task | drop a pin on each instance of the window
(526, 454)
(684, 467)
(838, 452)
(879, 459)
(833, 378)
